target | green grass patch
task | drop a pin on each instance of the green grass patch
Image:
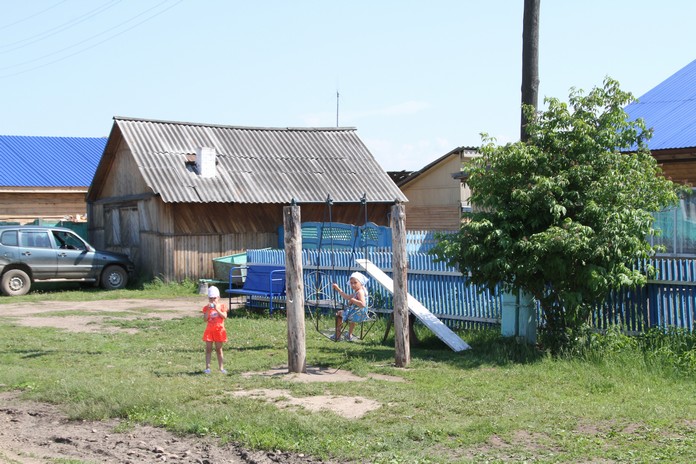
(69, 291)
(620, 401)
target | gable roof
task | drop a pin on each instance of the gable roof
(670, 109)
(457, 151)
(68, 162)
(254, 164)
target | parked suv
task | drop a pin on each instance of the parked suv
(31, 254)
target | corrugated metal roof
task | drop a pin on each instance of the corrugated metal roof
(256, 165)
(29, 161)
(670, 109)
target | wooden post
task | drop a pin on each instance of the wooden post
(400, 266)
(294, 289)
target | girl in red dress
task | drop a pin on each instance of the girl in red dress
(214, 313)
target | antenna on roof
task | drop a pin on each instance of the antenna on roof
(336, 107)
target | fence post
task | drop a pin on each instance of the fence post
(294, 289)
(518, 318)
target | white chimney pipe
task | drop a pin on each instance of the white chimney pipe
(205, 162)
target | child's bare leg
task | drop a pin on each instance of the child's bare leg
(220, 357)
(351, 326)
(208, 352)
(339, 324)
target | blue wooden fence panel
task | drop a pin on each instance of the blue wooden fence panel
(627, 308)
(667, 301)
(440, 288)
(422, 241)
(672, 296)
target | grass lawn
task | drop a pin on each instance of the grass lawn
(498, 402)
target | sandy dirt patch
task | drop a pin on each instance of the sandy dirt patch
(350, 407)
(320, 374)
(90, 315)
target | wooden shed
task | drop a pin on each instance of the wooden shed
(176, 195)
(436, 198)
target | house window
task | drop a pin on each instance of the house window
(678, 226)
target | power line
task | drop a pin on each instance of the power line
(93, 45)
(16, 65)
(31, 16)
(55, 30)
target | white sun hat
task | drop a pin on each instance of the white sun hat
(213, 292)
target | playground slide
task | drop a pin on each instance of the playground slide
(428, 319)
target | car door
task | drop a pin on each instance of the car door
(36, 250)
(75, 258)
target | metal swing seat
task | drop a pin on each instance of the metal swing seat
(366, 324)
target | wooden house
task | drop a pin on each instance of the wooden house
(176, 195)
(46, 178)
(669, 109)
(436, 197)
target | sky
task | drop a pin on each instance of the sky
(417, 79)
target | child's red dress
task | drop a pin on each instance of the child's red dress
(215, 330)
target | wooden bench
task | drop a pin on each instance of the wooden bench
(262, 280)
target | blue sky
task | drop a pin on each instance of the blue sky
(415, 78)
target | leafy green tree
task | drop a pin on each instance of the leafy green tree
(564, 216)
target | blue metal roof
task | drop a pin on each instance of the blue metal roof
(670, 109)
(29, 161)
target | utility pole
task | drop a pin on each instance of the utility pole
(530, 60)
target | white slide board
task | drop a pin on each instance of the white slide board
(428, 319)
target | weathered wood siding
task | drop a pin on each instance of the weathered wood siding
(352, 213)
(26, 206)
(124, 176)
(435, 198)
(433, 217)
(683, 172)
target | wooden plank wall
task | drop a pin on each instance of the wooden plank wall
(223, 218)
(25, 207)
(190, 257)
(433, 217)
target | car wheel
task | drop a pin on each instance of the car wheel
(114, 278)
(15, 282)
